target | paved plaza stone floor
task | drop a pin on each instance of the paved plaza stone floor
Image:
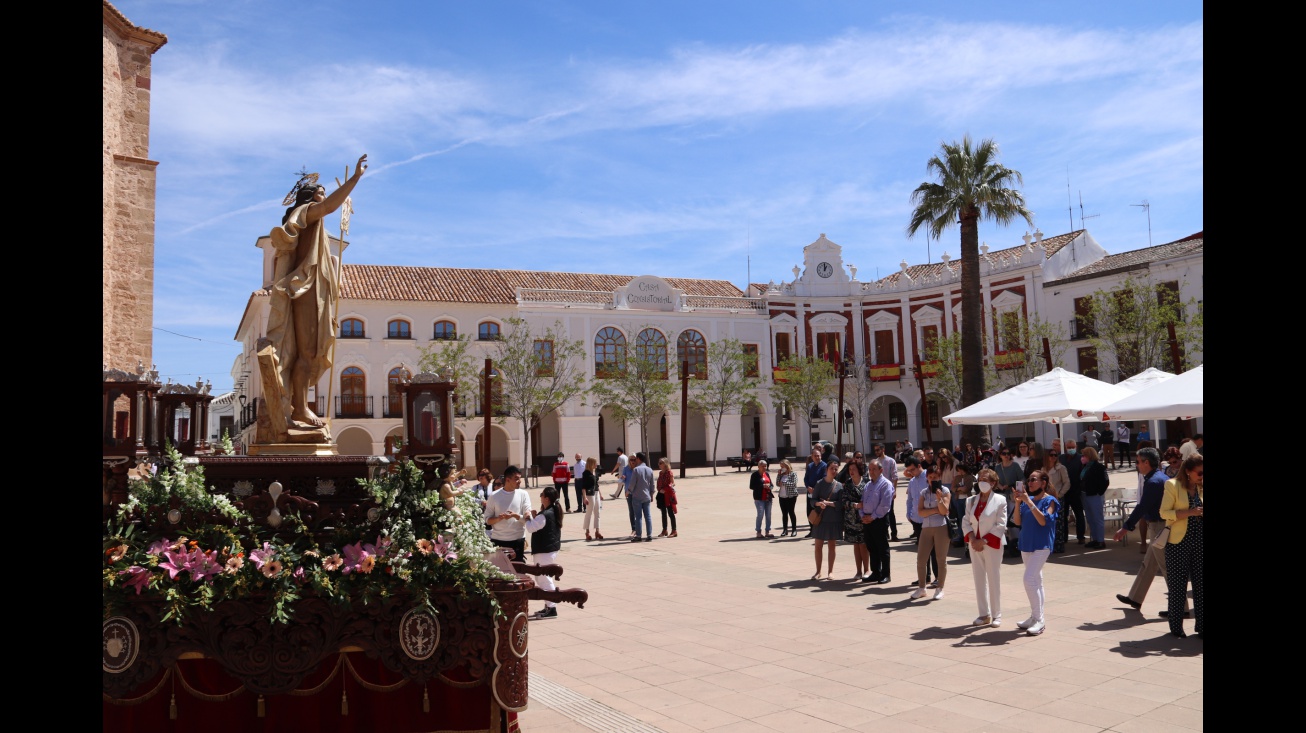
(716, 630)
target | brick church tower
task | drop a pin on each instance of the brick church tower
(128, 296)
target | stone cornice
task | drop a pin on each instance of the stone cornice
(151, 40)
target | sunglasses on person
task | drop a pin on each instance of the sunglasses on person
(1005, 453)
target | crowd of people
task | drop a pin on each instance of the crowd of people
(992, 502)
(998, 502)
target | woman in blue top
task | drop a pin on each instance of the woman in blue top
(1036, 515)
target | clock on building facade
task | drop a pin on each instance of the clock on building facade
(825, 269)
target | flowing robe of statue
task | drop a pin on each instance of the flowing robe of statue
(302, 268)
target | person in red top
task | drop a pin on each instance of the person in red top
(561, 479)
(666, 497)
(984, 523)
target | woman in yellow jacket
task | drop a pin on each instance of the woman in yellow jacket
(1181, 508)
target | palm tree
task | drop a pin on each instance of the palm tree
(971, 185)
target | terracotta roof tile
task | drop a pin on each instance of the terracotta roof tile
(1051, 246)
(468, 285)
(1135, 259)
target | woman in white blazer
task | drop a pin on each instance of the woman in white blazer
(984, 524)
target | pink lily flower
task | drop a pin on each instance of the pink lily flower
(159, 547)
(140, 578)
(202, 565)
(261, 557)
(177, 563)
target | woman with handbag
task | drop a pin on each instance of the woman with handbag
(827, 517)
(666, 498)
(984, 527)
(589, 483)
(760, 482)
(852, 519)
(787, 482)
(1181, 508)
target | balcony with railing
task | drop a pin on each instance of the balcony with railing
(1080, 331)
(393, 406)
(354, 406)
(885, 372)
(1010, 359)
(927, 369)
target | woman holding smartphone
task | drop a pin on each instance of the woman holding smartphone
(1036, 515)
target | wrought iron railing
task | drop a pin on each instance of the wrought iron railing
(355, 406)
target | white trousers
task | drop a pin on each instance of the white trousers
(543, 581)
(987, 567)
(595, 506)
(1034, 580)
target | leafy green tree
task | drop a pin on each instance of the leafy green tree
(971, 185)
(638, 388)
(726, 388)
(801, 384)
(538, 373)
(450, 359)
(1022, 340)
(1128, 327)
(859, 393)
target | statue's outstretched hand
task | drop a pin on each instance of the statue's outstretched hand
(362, 166)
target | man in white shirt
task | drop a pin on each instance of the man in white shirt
(889, 469)
(576, 472)
(1122, 443)
(506, 511)
(619, 471)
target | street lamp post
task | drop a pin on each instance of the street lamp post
(684, 412)
(486, 408)
(925, 406)
(838, 441)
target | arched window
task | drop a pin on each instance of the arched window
(445, 331)
(393, 399)
(691, 347)
(353, 392)
(398, 329)
(651, 347)
(488, 331)
(609, 353)
(351, 328)
(897, 416)
(932, 409)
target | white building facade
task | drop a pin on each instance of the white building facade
(389, 313)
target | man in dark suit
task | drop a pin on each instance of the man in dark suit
(1074, 498)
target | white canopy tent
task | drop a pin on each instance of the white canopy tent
(1146, 379)
(1177, 398)
(1057, 396)
(1149, 377)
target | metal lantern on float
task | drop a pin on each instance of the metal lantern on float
(428, 412)
(183, 417)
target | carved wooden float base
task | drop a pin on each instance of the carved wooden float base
(462, 647)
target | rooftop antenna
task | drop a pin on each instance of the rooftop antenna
(1148, 208)
(1070, 207)
(1081, 212)
(748, 252)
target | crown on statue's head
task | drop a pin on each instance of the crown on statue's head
(306, 179)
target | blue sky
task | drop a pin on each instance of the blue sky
(667, 138)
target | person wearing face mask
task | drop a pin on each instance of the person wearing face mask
(984, 524)
(1073, 501)
(1036, 514)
